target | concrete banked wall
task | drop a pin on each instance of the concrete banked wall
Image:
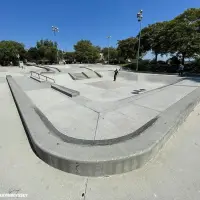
(87, 160)
(155, 78)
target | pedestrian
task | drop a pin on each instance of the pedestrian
(115, 74)
(181, 69)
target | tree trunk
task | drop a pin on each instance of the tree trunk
(156, 56)
(183, 58)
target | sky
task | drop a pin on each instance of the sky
(27, 21)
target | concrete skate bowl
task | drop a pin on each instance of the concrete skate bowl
(128, 84)
(166, 79)
(85, 154)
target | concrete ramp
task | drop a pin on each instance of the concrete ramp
(78, 76)
(141, 77)
(91, 74)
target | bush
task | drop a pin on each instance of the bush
(142, 66)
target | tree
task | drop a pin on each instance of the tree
(127, 48)
(45, 50)
(33, 54)
(86, 52)
(154, 38)
(9, 51)
(69, 57)
(184, 35)
(113, 54)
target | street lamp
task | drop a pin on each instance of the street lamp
(139, 17)
(108, 48)
(56, 30)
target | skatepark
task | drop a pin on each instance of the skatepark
(80, 123)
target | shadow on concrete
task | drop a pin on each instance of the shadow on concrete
(138, 91)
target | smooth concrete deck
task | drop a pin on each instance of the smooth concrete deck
(173, 174)
(82, 122)
(87, 122)
(118, 157)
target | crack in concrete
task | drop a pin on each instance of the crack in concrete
(85, 192)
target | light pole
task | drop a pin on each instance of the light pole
(139, 17)
(108, 48)
(18, 56)
(56, 30)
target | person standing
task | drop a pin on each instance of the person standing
(115, 74)
(181, 69)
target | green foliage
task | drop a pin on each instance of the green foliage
(69, 57)
(143, 66)
(113, 54)
(45, 52)
(180, 35)
(154, 38)
(33, 54)
(85, 52)
(9, 51)
(183, 34)
(127, 48)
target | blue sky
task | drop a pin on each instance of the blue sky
(30, 20)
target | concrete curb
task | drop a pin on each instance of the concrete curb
(72, 77)
(100, 160)
(64, 90)
(42, 67)
(85, 75)
(53, 68)
(37, 79)
(99, 75)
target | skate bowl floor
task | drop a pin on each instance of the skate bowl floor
(112, 127)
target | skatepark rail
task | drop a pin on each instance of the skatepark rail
(39, 76)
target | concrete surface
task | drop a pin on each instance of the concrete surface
(165, 98)
(21, 171)
(101, 160)
(172, 175)
(68, 116)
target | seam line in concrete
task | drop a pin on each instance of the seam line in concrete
(97, 126)
(145, 107)
(187, 86)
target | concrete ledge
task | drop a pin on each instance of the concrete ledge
(49, 72)
(99, 75)
(42, 67)
(78, 76)
(74, 78)
(85, 75)
(100, 160)
(64, 90)
(37, 79)
(53, 68)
